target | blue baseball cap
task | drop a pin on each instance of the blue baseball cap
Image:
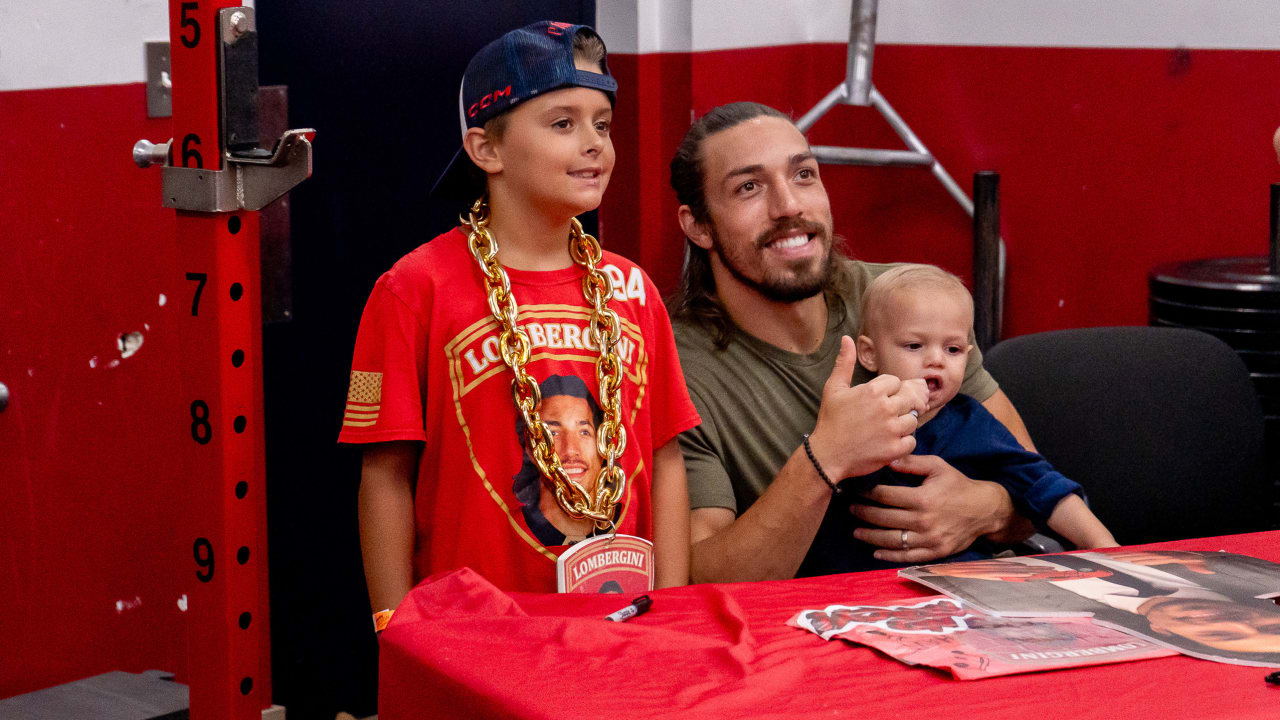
(520, 65)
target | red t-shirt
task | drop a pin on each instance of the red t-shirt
(427, 368)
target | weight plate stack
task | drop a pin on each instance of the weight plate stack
(1236, 299)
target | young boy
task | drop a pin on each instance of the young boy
(916, 323)
(458, 335)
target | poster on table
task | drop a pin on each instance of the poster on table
(1211, 605)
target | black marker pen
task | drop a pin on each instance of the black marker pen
(637, 606)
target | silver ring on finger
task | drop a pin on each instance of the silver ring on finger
(905, 546)
(914, 413)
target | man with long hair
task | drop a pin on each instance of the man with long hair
(764, 322)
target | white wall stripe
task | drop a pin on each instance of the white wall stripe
(617, 22)
(636, 26)
(646, 26)
(665, 23)
(67, 43)
(63, 43)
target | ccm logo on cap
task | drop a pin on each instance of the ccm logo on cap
(555, 28)
(488, 100)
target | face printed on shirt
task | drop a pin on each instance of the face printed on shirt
(571, 415)
(573, 432)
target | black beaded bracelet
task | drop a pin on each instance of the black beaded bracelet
(809, 451)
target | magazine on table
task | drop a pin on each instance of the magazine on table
(944, 633)
(1211, 605)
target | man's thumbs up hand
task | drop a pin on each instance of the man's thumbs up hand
(861, 429)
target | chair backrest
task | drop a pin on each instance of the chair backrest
(1161, 426)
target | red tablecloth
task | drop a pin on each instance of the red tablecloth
(458, 647)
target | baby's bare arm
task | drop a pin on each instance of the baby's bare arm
(1073, 520)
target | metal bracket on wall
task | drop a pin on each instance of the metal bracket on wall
(238, 80)
(247, 183)
(252, 176)
(159, 83)
(857, 89)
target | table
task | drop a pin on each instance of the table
(458, 647)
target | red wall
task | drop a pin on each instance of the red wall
(1111, 160)
(89, 500)
(638, 217)
(102, 478)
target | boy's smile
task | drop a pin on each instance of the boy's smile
(587, 174)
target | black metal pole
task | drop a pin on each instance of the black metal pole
(986, 257)
(1275, 228)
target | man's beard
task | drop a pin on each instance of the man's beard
(801, 284)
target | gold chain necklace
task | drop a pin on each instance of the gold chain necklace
(604, 329)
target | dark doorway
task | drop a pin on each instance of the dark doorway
(379, 81)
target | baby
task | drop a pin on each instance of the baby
(917, 321)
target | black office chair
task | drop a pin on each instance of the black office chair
(1161, 426)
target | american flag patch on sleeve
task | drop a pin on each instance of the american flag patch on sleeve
(364, 397)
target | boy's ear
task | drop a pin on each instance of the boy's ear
(482, 150)
(694, 230)
(867, 353)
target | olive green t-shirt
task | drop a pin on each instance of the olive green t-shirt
(757, 400)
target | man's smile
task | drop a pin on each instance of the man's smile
(792, 241)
